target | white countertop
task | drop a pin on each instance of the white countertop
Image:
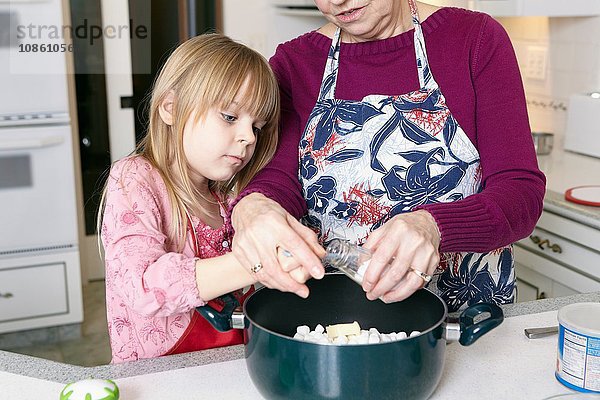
(502, 364)
(565, 170)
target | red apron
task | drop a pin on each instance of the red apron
(200, 334)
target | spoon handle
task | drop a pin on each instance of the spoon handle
(534, 333)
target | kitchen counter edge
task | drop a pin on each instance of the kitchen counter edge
(556, 203)
(64, 373)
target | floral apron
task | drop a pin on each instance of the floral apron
(363, 162)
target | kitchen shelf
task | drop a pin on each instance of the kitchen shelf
(526, 8)
(299, 11)
(496, 8)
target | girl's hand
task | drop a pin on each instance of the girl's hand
(262, 227)
(289, 263)
(404, 246)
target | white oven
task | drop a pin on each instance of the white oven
(31, 80)
(40, 277)
(37, 189)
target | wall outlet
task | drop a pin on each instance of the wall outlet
(537, 59)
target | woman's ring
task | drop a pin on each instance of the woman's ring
(256, 267)
(422, 275)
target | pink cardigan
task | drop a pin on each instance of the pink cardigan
(151, 289)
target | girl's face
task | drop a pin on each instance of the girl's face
(363, 20)
(221, 143)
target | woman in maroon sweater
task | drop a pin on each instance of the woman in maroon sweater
(404, 128)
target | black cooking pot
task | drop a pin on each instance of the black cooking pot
(285, 368)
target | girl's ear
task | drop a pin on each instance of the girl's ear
(166, 108)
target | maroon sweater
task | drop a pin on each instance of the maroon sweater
(473, 61)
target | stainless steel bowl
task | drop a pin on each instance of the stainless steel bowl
(543, 142)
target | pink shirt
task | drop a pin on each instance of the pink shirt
(151, 289)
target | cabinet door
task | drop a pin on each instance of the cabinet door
(532, 285)
(564, 248)
(33, 291)
(39, 291)
(559, 290)
(555, 271)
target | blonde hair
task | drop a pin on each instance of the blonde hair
(206, 71)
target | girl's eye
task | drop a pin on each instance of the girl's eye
(257, 131)
(228, 118)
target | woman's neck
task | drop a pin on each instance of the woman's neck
(399, 23)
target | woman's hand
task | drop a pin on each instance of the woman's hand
(407, 241)
(263, 229)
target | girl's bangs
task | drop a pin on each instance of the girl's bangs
(259, 98)
(261, 95)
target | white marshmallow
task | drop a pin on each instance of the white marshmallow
(303, 330)
(385, 338)
(340, 340)
(374, 330)
(374, 338)
(371, 336)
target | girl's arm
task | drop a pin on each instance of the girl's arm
(219, 275)
(144, 272)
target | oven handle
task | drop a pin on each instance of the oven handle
(24, 144)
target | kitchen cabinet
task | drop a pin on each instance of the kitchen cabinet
(561, 257)
(515, 8)
(40, 291)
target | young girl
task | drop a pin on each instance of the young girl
(213, 121)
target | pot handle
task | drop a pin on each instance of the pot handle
(221, 320)
(470, 330)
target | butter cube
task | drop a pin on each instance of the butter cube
(334, 331)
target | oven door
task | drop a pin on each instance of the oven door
(37, 189)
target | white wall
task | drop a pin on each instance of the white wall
(247, 21)
(261, 26)
(557, 56)
(572, 64)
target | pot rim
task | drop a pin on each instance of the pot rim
(433, 327)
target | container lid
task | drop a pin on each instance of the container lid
(574, 396)
(583, 318)
(586, 195)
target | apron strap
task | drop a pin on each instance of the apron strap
(426, 80)
(329, 81)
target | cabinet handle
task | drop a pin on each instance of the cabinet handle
(556, 248)
(541, 296)
(6, 295)
(537, 240)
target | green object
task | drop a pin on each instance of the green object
(91, 389)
